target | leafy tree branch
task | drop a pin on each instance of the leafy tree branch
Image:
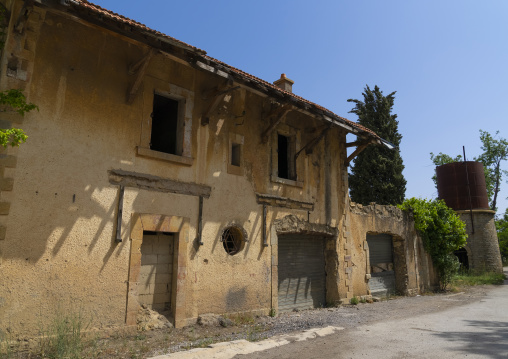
(442, 232)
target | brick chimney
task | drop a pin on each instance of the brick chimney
(284, 83)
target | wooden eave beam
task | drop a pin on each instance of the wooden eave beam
(218, 95)
(355, 153)
(279, 115)
(140, 67)
(309, 147)
(356, 143)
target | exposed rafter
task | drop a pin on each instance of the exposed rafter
(278, 114)
(139, 68)
(309, 147)
(216, 96)
(356, 152)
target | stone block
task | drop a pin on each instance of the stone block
(3, 231)
(135, 260)
(4, 208)
(6, 184)
(163, 268)
(160, 288)
(161, 297)
(12, 117)
(145, 288)
(8, 161)
(146, 299)
(162, 278)
(147, 259)
(164, 259)
(5, 124)
(147, 278)
(146, 271)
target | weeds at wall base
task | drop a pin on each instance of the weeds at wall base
(477, 278)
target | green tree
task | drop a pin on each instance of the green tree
(376, 174)
(12, 100)
(502, 235)
(442, 232)
(495, 151)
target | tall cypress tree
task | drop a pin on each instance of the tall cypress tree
(376, 174)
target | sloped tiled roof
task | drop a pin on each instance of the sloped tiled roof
(99, 11)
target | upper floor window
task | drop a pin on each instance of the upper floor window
(285, 144)
(235, 161)
(286, 161)
(166, 129)
(166, 133)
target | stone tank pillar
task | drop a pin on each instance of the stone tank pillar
(482, 245)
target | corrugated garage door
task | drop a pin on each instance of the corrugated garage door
(382, 281)
(301, 272)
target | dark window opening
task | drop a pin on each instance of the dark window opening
(283, 164)
(164, 136)
(286, 158)
(235, 154)
(232, 240)
(153, 233)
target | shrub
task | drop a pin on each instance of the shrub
(442, 232)
(354, 300)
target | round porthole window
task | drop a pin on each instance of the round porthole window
(232, 240)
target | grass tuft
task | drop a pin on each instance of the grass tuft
(63, 338)
(477, 278)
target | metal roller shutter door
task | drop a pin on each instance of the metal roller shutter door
(302, 276)
(381, 251)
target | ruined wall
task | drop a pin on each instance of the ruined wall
(482, 246)
(58, 215)
(412, 265)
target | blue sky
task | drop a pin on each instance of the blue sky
(447, 60)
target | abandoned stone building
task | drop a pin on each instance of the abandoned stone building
(157, 175)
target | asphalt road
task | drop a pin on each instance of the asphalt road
(476, 330)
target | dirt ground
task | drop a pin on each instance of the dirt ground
(145, 344)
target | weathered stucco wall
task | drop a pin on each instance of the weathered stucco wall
(58, 250)
(412, 265)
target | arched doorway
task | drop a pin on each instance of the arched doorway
(461, 254)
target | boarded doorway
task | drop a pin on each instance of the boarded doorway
(301, 270)
(156, 271)
(382, 281)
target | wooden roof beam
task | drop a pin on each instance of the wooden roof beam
(279, 113)
(140, 67)
(217, 95)
(356, 152)
(309, 147)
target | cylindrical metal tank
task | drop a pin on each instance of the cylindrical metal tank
(453, 188)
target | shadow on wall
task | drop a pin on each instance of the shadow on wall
(489, 342)
(86, 216)
(71, 216)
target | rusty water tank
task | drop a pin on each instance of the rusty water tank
(452, 185)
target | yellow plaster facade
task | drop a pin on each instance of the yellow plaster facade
(61, 243)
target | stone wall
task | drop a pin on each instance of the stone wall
(413, 268)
